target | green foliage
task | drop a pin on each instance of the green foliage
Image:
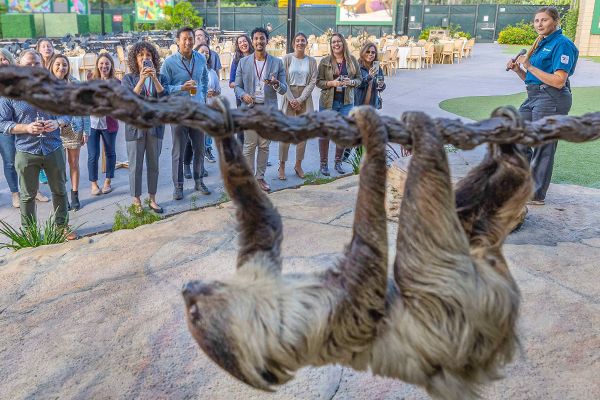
(134, 216)
(316, 178)
(18, 25)
(355, 159)
(232, 4)
(224, 197)
(127, 23)
(568, 22)
(521, 33)
(143, 27)
(183, 14)
(454, 31)
(3, 10)
(35, 233)
(194, 198)
(450, 149)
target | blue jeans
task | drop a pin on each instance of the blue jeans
(93, 144)
(8, 151)
(208, 142)
(339, 107)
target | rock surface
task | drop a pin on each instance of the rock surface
(103, 318)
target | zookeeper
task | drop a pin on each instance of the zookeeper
(546, 69)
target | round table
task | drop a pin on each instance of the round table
(76, 62)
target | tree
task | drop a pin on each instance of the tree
(183, 14)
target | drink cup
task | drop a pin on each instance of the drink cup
(193, 90)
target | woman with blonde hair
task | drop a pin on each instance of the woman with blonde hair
(301, 76)
(367, 92)
(105, 127)
(338, 75)
(75, 135)
(45, 47)
(546, 69)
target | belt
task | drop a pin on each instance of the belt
(537, 86)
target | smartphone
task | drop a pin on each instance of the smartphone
(147, 63)
(376, 65)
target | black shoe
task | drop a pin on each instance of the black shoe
(178, 194)
(205, 173)
(339, 169)
(187, 171)
(325, 170)
(75, 205)
(201, 187)
(209, 157)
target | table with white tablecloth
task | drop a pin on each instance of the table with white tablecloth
(403, 53)
(76, 62)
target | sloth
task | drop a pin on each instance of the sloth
(444, 320)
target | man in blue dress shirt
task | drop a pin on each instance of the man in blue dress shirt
(188, 77)
(38, 144)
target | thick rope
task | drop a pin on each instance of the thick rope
(39, 88)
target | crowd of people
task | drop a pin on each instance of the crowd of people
(36, 146)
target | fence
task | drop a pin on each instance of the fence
(483, 19)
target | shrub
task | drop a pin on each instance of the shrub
(134, 216)
(454, 30)
(183, 14)
(355, 159)
(521, 33)
(34, 233)
(568, 22)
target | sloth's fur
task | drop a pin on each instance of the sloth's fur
(444, 321)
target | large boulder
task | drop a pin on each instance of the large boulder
(103, 318)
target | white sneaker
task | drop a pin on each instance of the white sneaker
(536, 202)
(40, 197)
(16, 199)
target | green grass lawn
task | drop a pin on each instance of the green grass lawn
(575, 163)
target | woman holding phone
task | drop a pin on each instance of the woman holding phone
(367, 92)
(301, 76)
(337, 76)
(144, 61)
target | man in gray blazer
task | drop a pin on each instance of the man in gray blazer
(258, 79)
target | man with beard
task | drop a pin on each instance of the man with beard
(258, 79)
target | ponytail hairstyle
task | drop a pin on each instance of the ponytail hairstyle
(553, 13)
(346, 51)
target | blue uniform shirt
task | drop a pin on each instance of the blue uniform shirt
(177, 70)
(553, 53)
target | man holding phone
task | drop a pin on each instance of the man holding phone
(258, 79)
(188, 77)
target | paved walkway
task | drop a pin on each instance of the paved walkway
(420, 90)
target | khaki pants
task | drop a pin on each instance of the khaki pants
(28, 168)
(251, 141)
(284, 148)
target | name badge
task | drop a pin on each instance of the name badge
(339, 89)
(258, 91)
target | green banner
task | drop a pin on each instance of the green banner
(366, 12)
(29, 6)
(596, 19)
(78, 6)
(151, 10)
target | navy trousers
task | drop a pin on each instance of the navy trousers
(542, 101)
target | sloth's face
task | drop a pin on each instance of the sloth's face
(222, 315)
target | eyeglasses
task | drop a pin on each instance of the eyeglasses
(371, 52)
(336, 42)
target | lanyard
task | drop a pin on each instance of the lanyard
(147, 89)
(193, 65)
(261, 71)
(340, 66)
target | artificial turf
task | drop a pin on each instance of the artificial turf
(575, 163)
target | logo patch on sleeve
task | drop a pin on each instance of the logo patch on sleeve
(564, 59)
